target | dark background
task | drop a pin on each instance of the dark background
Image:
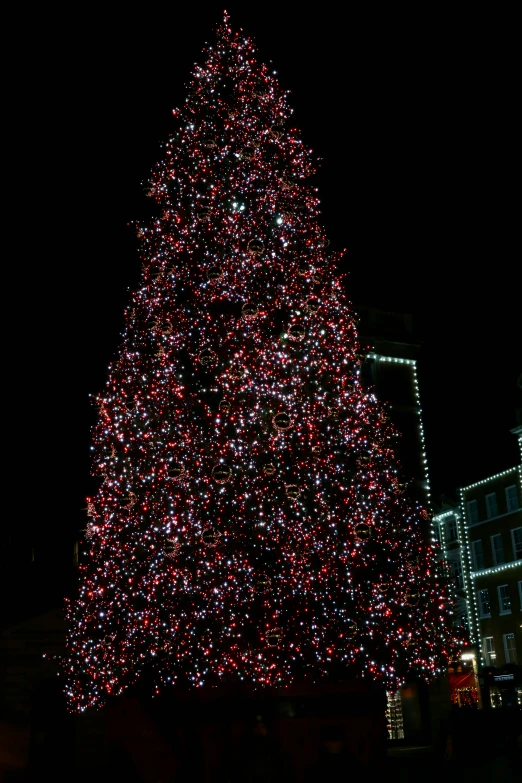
(413, 115)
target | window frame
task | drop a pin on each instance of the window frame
(494, 496)
(481, 603)
(517, 545)
(472, 512)
(508, 502)
(510, 653)
(498, 537)
(458, 573)
(489, 654)
(501, 599)
(452, 528)
(474, 558)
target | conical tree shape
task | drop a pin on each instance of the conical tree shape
(249, 522)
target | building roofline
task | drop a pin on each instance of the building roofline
(490, 478)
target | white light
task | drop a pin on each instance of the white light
(491, 478)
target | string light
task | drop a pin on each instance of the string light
(251, 521)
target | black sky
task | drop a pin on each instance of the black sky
(414, 120)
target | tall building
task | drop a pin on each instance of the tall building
(391, 369)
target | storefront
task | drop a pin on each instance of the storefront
(464, 683)
(502, 687)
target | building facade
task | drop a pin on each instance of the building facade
(482, 543)
(492, 510)
(390, 368)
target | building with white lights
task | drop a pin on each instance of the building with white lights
(482, 542)
(391, 369)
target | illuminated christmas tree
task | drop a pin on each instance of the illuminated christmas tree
(251, 523)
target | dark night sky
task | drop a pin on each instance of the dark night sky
(413, 118)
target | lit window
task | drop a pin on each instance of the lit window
(491, 505)
(504, 600)
(509, 648)
(484, 605)
(76, 550)
(472, 509)
(497, 549)
(512, 498)
(516, 535)
(478, 554)
(489, 651)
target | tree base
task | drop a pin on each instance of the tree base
(205, 735)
